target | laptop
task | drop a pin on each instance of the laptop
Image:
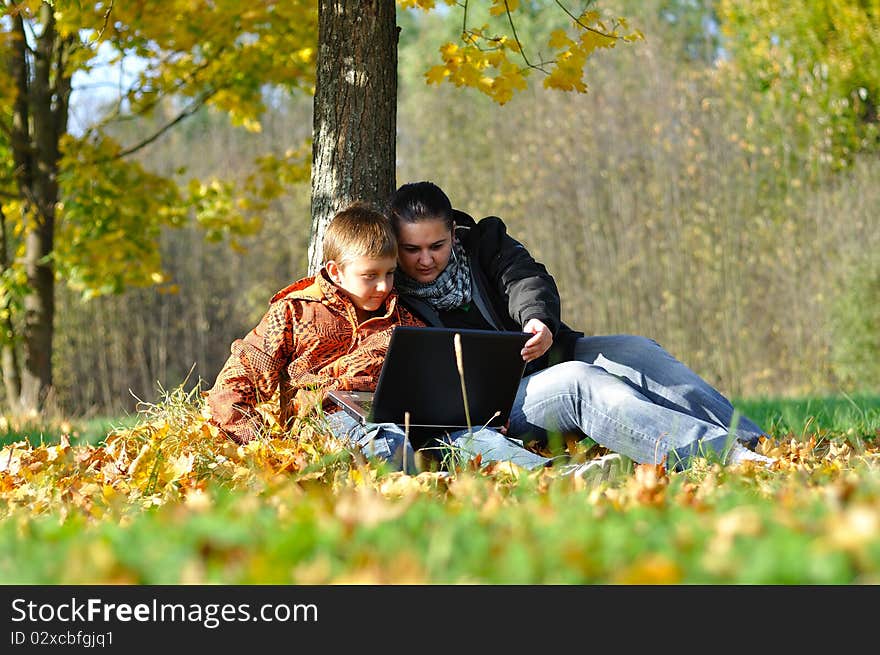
(420, 376)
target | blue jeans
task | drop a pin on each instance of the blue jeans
(387, 442)
(631, 396)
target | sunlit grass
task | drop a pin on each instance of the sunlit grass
(39, 430)
(850, 414)
(168, 501)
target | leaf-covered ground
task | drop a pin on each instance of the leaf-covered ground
(168, 501)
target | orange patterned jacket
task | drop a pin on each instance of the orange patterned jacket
(308, 339)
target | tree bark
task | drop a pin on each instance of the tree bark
(355, 110)
(8, 354)
(19, 71)
(48, 92)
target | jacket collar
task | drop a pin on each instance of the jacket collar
(319, 288)
(463, 220)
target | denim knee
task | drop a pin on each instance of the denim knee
(638, 342)
(574, 376)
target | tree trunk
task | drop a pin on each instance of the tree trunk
(19, 72)
(8, 355)
(48, 92)
(355, 110)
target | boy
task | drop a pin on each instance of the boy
(323, 332)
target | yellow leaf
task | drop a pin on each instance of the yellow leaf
(180, 466)
(589, 17)
(855, 528)
(252, 125)
(500, 7)
(140, 469)
(653, 569)
(448, 50)
(436, 74)
(591, 40)
(559, 39)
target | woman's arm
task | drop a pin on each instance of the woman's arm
(529, 291)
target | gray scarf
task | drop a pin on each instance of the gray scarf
(451, 289)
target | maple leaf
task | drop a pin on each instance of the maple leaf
(436, 74)
(559, 39)
(364, 506)
(649, 483)
(855, 528)
(653, 569)
(501, 7)
(179, 466)
(503, 470)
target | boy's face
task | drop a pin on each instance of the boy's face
(366, 280)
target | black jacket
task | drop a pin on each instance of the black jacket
(508, 286)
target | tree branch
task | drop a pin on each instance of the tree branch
(106, 20)
(19, 129)
(466, 31)
(522, 50)
(116, 114)
(186, 113)
(586, 27)
(30, 28)
(61, 88)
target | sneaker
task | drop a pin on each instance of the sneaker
(601, 467)
(739, 453)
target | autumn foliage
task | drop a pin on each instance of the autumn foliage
(173, 469)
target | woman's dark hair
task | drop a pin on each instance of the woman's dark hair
(420, 201)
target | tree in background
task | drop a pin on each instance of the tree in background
(808, 76)
(355, 109)
(812, 68)
(656, 175)
(76, 206)
(80, 209)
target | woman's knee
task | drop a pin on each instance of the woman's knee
(579, 382)
(571, 370)
(638, 342)
(573, 376)
(594, 385)
(625, 349)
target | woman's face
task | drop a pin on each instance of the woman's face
(424, 248)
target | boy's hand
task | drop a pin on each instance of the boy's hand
(538, 344)
(306, 400)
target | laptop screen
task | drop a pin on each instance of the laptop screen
(420, 375)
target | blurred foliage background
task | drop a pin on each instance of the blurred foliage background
(716, 189)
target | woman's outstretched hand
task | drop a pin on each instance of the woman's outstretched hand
(538, 344)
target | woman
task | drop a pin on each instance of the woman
(625, 392)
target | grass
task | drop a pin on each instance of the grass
(858, 413)
(167, 503)
(37, 431)
(361, 536)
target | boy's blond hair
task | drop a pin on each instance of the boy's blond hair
(359, 230)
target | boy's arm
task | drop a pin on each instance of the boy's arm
(250, 375)
(359, 370)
